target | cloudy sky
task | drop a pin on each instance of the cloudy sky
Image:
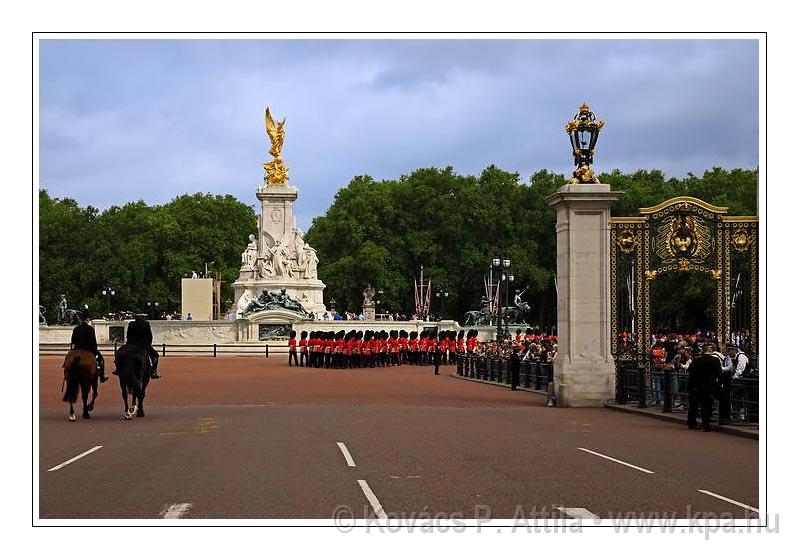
(123, 120)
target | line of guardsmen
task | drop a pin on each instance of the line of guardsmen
(362, 349)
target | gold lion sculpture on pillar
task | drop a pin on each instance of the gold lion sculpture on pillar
(275, 172)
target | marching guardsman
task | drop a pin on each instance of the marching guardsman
(83, 338)
(394, 348)
(413, 348)
(402, 343)
(380, 349)
(435, 354)
(472, 341)
(518, 336)
(304, 349)
(293, 348)
(327, 348)
(460, 343)
(366, 350)
(341, 359)
(377, 347)
(357, 349)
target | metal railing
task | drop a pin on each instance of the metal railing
(208, 350)
(666, 390)
(532, 375)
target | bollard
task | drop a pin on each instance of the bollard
(667, 389)
(215, 349)
(642, 387)
(163, 349)
(266, 350)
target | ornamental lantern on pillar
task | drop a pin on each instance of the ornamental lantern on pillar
(583, 131)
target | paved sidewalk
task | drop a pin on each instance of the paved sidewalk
(742, 430)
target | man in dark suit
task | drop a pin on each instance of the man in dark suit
(83, 338)
(704, 377)
(140, 334)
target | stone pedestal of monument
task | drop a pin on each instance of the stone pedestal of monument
(369, 312)
(584, 372)
(281, 258)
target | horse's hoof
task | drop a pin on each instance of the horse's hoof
(140, 412)
(86, 415)
(72, 418)
(128, 416)
(90, 407)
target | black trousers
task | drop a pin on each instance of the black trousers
(293, 354)
(153, 357)
(725, 397)
(303, 359)
(705, 402)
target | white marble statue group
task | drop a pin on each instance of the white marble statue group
(280, 259)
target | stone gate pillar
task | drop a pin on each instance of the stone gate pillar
(584, 373)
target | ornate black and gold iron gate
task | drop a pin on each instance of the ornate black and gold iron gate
(682, 234)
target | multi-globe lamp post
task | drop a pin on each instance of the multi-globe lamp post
(442, 294)
(502, 263)
(107, 292)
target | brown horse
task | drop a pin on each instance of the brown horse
(80, 372)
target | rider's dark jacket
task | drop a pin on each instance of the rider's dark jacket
(83, 338)
(139, 333)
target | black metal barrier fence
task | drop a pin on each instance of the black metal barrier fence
(213, 350)
(666, 390)
(532, 375)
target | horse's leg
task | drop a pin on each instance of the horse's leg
(140, 411)
(94, 393)
(124, 388)
(71, 413)
(85, 398)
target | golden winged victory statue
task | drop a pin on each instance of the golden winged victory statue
(276, 172)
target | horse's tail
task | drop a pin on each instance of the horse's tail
(73, 371)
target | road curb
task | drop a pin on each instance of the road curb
(731, 430)
(497, 384)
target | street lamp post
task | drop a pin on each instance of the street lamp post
(107, 292)
(502, 262)
(442, 294)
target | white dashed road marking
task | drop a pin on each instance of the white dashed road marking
(616, 460)
(67, 462)
(740, 504)
(175, 511)
(346, 453)
(373, 499)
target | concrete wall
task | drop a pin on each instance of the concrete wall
(197, 298)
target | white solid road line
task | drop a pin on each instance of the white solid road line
(616, 460)
(175, 511)
(346, 453)
(373, 500)
(740, 504)
(84, 454)
(578, 513)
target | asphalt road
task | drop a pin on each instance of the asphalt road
(251, 438)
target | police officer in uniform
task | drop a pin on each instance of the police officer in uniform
(140, 334)
(83, 338)
(704, 374)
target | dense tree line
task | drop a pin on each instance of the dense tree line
(375, 233)
(141, 251)
(380, 232)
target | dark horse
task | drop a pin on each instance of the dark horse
(80, 372)
(133, 368)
